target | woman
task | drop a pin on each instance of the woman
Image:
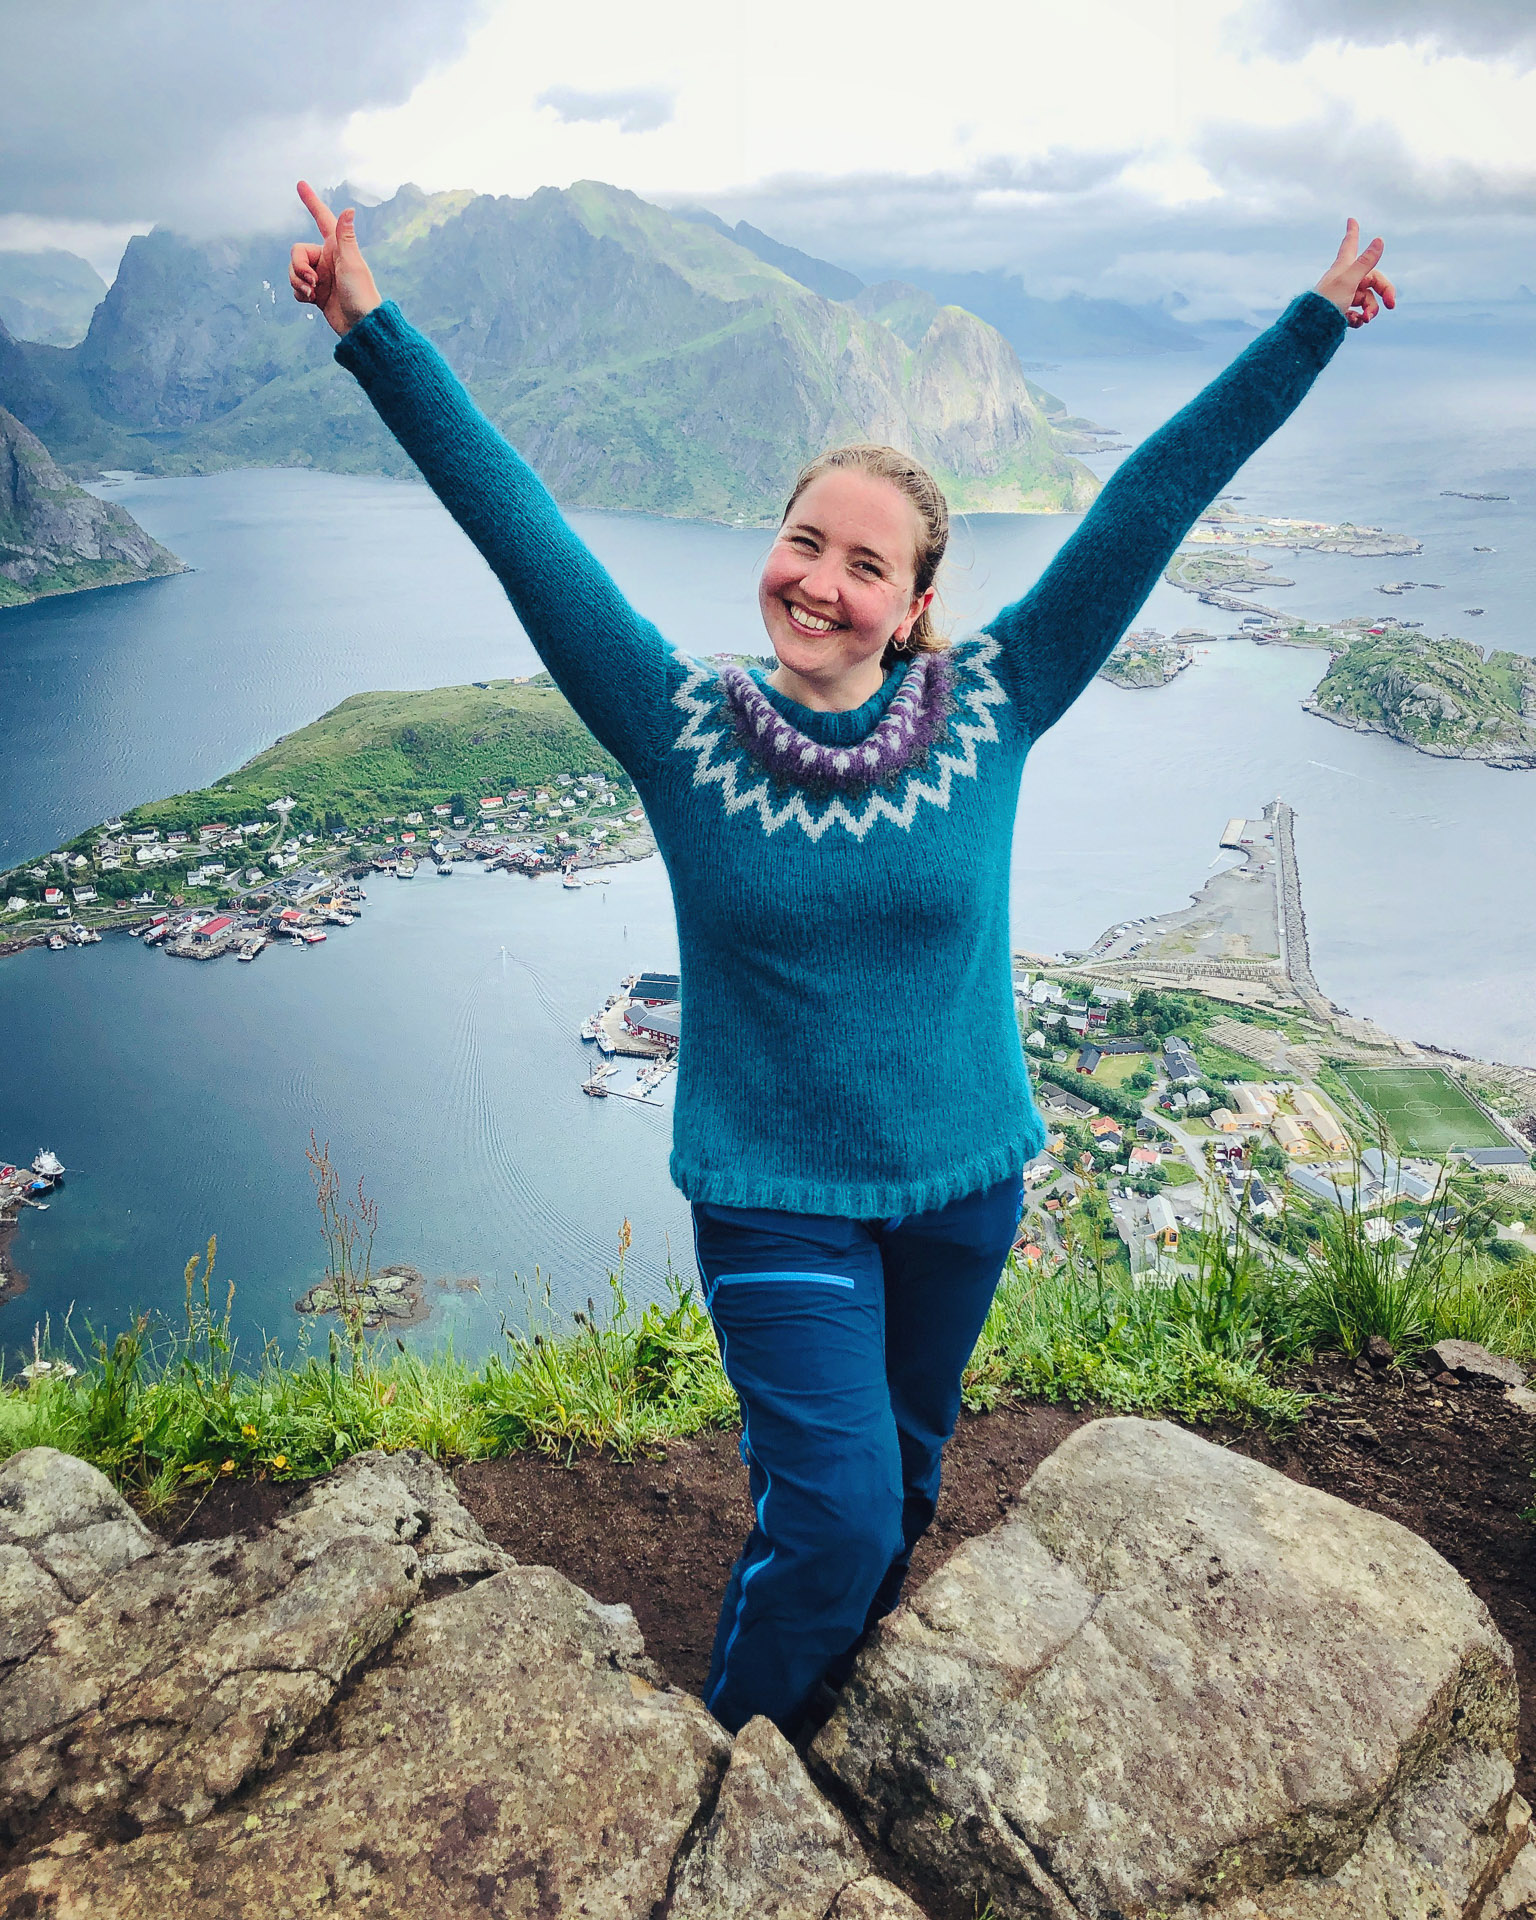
(852, 1109)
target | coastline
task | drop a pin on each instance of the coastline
(12, 1283)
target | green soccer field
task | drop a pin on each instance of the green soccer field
(1425, 1110)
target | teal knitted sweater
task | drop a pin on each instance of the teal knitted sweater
(841, 879)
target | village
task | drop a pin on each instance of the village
(1198, 1079)
(235, 886)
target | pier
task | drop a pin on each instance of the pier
(1295, 955)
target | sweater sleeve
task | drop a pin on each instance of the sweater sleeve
(608, 662)
(1057, 637)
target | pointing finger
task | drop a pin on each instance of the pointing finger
(324, 219)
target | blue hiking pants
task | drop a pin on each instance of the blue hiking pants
(845, 1341)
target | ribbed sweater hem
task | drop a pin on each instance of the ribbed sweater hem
(789, 1193)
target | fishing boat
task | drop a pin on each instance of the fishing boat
(570, 880)
(312, 936)
(604, 1044)
(590, 1028)
(57, 943)
(405, 867)
(47, 1165)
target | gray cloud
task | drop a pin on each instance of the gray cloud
(1483, 28)
(194, 114)
(1452, 231)
(633, 109)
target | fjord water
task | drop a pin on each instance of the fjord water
(434, 1044)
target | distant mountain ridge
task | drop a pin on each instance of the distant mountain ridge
(639, 359)
(49, 296)
(1036, 329)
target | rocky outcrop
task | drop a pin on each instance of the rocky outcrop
(63, 1529)
(1174, 1682)
(57, 538)
(369, 1709)
(1474, 1364)
(1172, 1685)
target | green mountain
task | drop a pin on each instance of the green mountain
(1441, 696)
(49, 296)
(638, 358)
(380, 753)
(57, 538)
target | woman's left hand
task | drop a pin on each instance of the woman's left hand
(1353, 284)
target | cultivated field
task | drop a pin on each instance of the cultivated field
(1424, 1109)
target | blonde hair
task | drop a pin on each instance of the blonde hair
(920, 487)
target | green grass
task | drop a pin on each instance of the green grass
(162, 1409)
(1221, 1063)
(1116, 1068)
(1422, 1108)
(394, 753)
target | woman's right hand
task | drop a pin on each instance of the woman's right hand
(332, 276)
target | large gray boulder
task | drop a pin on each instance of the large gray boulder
(63, 1529)
(181, 1675)
(1175, 1682)
(513, 1754)
(772, 1847)
(401, 1496)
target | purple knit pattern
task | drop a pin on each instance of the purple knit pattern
(916, 718)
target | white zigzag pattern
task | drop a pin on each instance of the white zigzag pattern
(979, 699)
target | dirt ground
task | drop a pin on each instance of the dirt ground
(1453, 1463)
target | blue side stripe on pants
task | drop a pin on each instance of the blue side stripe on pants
(822, 1279)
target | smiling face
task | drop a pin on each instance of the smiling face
(839, 583)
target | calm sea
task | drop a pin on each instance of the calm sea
(434, 1044)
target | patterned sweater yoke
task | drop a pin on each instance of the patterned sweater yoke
(841, 879)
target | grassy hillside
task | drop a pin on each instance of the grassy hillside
(390, 753)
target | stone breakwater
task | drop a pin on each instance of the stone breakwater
(1171, 1683)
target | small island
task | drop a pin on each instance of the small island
(1146, 659)
(400, 783)
(1441, 696)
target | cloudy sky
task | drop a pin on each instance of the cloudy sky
(1124, 147)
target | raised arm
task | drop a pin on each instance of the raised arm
(1058, 636)
(607, 660)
